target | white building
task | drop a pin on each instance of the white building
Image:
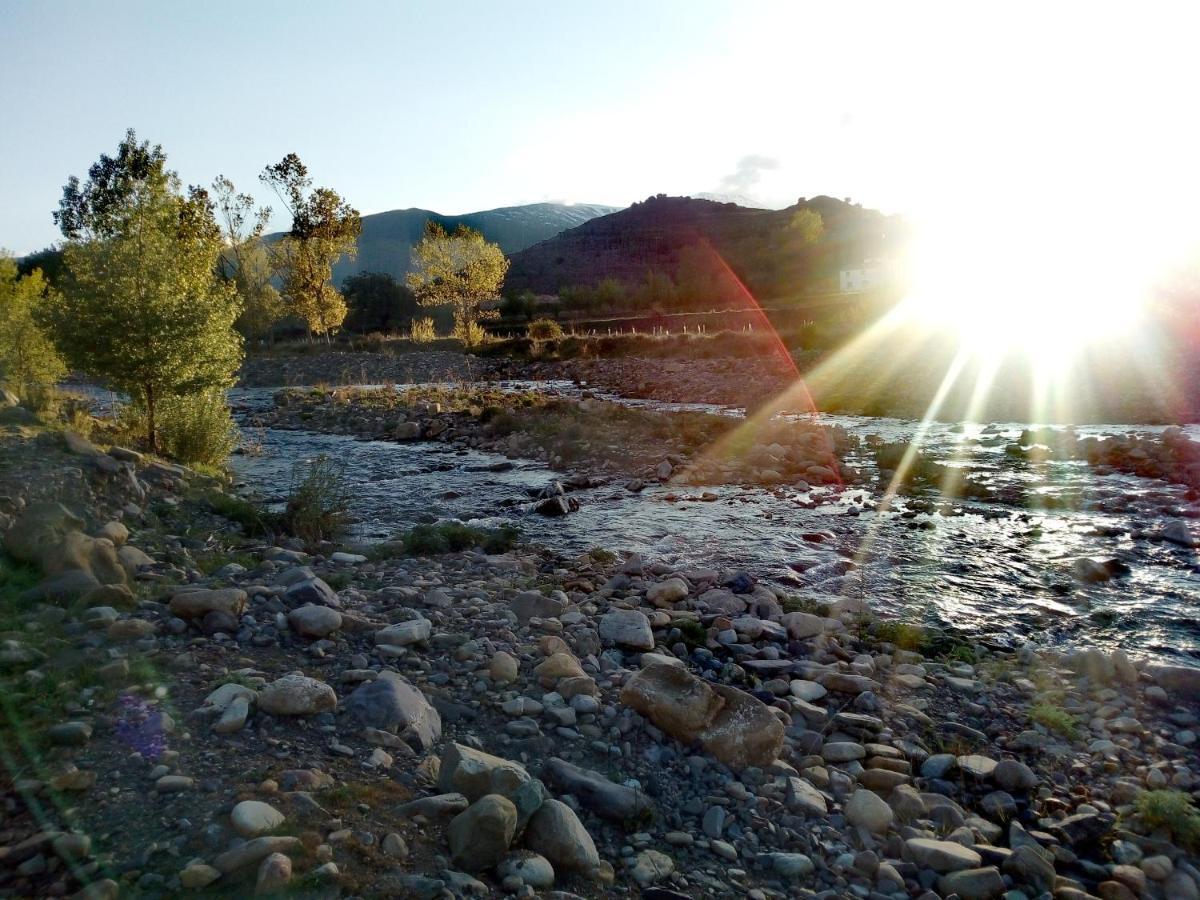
(869, 275)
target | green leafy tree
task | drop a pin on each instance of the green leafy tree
(657, 291)
(29, 362)
(324, 229)
(245, 262)
(609, 294)
(807, 227)
(48, 259)
(143, 307)
(377, 302)
(461, 269)
(519, 306)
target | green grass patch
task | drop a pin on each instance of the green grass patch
(1055, 718)
(805, 604)
(255, 521)
(452, 537)
(1173, 811)
(903, 635)
(15, 579)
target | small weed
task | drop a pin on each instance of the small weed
(1172, 811)
(451, 537)
(694, 634)
(1055, 718)
(318, 507)
(255, 521)
(15, 579)
(904, 635)
(805, 604)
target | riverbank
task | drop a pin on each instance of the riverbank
(756, 369)
(229, 713)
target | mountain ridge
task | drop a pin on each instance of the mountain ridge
(388, 237)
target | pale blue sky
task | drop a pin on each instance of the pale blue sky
(467, 105)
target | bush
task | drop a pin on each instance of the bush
(1056, 719)
(421, 331)
(544, 330)
(197, 428)
(318, 505)
(452, 537)
(470, 332)
(1173, 811)
(255, 521)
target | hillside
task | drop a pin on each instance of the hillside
(756, 243)
(388, 237)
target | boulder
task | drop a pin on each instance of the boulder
(296, 695)
(252, 818)
(404, 633)
(40, 526)
(745, 732)
(673, 699)
(391, 703)
(311, 590)
(627, 628)
(557, 834)
(196, 604)
(866, 809)
(480, 835)
(503, 668)
(668, 593)
(941, 856)
(601, 795)
(536, 605)
(315, 621)
(738, 729)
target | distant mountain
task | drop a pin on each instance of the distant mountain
(388, 237)
(757, 244)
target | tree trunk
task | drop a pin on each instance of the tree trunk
(151, 430)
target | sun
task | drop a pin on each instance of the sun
(1046, 290)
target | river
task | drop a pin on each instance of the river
(1000, 572)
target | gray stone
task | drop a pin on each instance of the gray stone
(391, 703)
(627, 628)
(297, 695)
(480, 835)
(557, 834)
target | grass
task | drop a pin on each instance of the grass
(1172, 811)
(255, 521)
(452, 537)
(15, 579)
(1055, 718)
(805, 604)
(903, 635)
(319, 503)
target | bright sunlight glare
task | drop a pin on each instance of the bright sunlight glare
(1004, 284)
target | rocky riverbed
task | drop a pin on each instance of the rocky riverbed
(190, 708)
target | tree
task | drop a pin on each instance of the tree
(28, 358)
(519, 306)
(807, 226)
(324, 229)
(377, 302)
(48, 259)
(459, 268)
(143, 307)
(245, 263)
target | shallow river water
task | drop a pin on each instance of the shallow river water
(998, 571)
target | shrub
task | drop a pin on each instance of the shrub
(255, 520)
(904, 635)
(421, 331)
(470, 332)
(196, 428)
(318, 506)
(1055, 718)
(544, 330)
(452, 537)
(1173, 811)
